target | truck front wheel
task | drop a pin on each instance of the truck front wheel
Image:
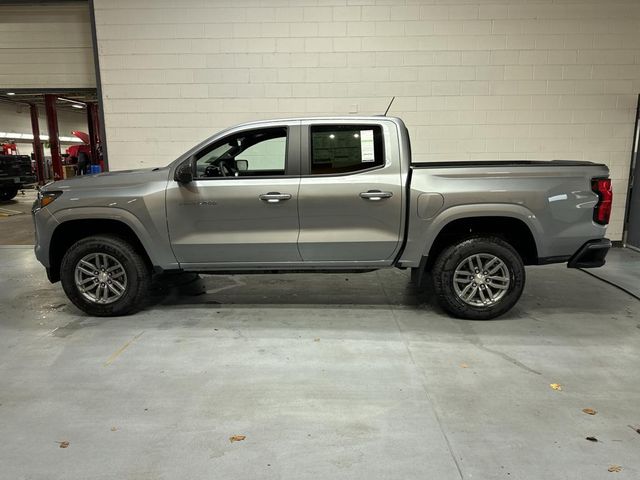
(105, 276)
(478, 278)
(8, 194)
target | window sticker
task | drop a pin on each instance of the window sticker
(366, 146)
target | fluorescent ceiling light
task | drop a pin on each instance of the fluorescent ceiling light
(10, 93)
(29, 137)
(74, 103)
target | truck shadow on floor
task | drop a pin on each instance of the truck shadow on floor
(549, 290)
(288, 289)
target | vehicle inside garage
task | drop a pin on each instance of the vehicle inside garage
(250, 268)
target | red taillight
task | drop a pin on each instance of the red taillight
(602, 210)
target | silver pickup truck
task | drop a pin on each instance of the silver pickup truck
(322, 195)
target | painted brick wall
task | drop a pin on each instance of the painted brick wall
(474, 79)
(46, 47)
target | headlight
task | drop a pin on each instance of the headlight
(43, 199)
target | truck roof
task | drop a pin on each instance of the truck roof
(339, 118)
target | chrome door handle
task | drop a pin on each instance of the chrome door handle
(375, 195)
(274, 197)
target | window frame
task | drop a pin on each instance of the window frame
(307, 156)
(292, 149)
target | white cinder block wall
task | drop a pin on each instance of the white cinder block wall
(46, 47)
(474, 79)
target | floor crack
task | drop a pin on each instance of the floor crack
(472, 337)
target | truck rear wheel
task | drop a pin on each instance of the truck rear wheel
(478, 278)
(105, 276)
(8, 194)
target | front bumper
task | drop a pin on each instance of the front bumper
(590, 255)
(45, 223)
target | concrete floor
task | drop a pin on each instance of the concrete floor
(622, 269)
(331, 377)
(16, 225)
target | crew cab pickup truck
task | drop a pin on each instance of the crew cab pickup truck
(322, 195)
(15, 173)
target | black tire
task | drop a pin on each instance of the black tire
(8, 194)
(138, 275)
(451, 257)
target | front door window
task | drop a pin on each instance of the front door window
(255, 153)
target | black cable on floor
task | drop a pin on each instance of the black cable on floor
(634, 295)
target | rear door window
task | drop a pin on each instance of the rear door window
(339, 149)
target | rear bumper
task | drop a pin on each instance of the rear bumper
(17, 182)
(590, 255)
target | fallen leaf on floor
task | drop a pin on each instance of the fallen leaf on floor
(316, 339)
(589, 411)
(592, 439)
(237, 438)
(114, 429)
(555, 386)
(464, 365)
(615, 468)
(64, 444)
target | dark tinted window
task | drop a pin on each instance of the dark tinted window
(345, 148)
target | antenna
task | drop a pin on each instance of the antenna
(387, 110)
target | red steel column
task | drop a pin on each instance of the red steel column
(94, 130)
(54, 142)
(38, 151)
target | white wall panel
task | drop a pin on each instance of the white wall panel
(46, 46)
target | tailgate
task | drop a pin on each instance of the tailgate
(15, 166)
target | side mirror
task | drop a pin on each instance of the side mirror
(242, 165)
(184, 173)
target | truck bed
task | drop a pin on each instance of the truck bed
(552, 198)
(508, 163)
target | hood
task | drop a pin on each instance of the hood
(120, 178)
(82, 136)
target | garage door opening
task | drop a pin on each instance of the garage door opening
(58, 129)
